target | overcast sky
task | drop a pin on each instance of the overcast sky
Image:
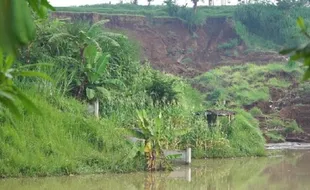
(62, 3)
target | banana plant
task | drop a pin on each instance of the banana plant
(97, 85)
(154, 132)
(94, 71)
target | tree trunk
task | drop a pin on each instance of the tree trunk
(96, 108)
(195, 6)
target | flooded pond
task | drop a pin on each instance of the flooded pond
(289, 169)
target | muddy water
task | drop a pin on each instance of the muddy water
(286, 170)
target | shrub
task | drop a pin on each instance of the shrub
(256, 112)
(293, 127)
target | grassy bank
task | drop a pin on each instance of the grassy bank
(256, 88)
(104, 66)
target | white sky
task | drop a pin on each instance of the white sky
(62, 3)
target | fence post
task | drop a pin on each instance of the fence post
(188, 156)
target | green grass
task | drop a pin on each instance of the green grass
(64, 140)
(256, 112)
(241, 137)
(246, 84)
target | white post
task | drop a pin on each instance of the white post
(188, 156)
(189, 174)
(96, 107)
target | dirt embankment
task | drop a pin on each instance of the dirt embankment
(170, 47)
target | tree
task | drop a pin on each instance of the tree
(149, 2)
(94, 71)
(17, 29)
(301, 52)
(195, 2)
(94, 36)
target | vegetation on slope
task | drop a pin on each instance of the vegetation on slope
(244, 86)
(67, 139)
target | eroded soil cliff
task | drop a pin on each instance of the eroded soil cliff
(170, 46)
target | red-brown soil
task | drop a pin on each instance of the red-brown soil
(170, 47)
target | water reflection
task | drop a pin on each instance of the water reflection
(288, 171)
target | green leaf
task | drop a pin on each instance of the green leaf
(34, 74)
(98, 25)
(90, 54)
(9, 61)
(8, 103)
(307, 74)
(301, 24)
(104, 92)
(136, 133)
(103, 62)
(35, 65)
(90, 93)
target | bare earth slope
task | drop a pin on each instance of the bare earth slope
(170, 47)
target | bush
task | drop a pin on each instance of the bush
(293, 127)
(256, 112)
(275, 137)
(245, 136)
(229, 45)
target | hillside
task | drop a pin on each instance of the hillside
(178, 42)
(169, 45)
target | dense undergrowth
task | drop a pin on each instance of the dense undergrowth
(67, 139)
(244, 86)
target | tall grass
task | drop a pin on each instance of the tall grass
(64, 140)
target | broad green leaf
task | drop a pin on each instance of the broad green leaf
(103, 62)
(90, 53)
(59, 37)
(90, 93)
(104, 92)
(7, 94)
(136, 133)
(34, 74)
(98, 24)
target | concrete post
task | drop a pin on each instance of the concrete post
(188, 156)
(96, 107)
